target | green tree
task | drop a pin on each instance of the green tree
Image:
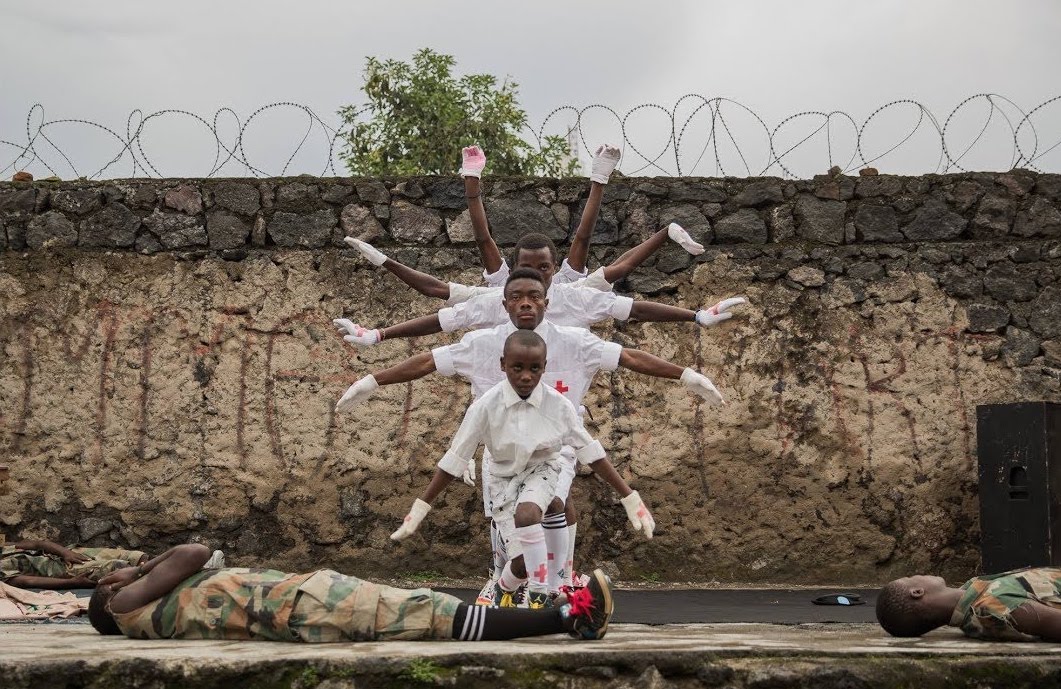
(419, 115)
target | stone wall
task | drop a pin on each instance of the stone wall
(168, 368)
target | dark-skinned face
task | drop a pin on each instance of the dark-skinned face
(523, 366)
(540, 260)
(525, 303)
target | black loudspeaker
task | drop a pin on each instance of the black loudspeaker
(1019, 452)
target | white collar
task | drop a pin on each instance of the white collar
(509, 396)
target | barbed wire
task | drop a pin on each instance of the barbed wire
(697, 131)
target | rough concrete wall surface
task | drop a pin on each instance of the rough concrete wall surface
(168, 368)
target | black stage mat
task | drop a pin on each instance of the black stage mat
(777, 606)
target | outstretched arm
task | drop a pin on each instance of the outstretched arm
(576, 256)
(473, 161)
(625, 264)
(422, 505)
(357, 334)
(636, 510)
(150, 581)
(412, 368)
(651, 365)
(655, 312)
(604, 162)
(27, 581)
(51, 548)
(428, 285)
(458, 456)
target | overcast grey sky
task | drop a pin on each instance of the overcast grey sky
(100, 61)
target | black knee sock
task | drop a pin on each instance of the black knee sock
(479, 623)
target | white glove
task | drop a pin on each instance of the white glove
(639, 516)
(357, 393)
(357, 334)
(469, 473)
(604, 161)
(678, 234)
(702, 385)
(371, 253)
(719, 312)
(473, 160)
(412, 520)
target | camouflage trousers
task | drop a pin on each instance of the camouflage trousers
(335, 607)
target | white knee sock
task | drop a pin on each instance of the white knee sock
(509, 581)
(532, 538)
(569, 564)
(555, 526)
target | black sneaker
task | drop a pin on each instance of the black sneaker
(588, 610)
(538, 600)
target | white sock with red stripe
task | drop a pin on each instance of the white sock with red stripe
(532, 538)
(555, 526)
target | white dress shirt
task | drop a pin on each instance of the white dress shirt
(573, 357)
(518, 432)
(569, 304)
(565, 275)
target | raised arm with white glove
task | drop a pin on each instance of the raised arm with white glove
(639, 516)
(357, 393)
(604, 162)
(473, 160)
(713, 315)
(357, 334)
(702, 385)
(412, 520)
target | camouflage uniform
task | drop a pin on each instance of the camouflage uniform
(985, 608)
(102, 561)
(264, 604)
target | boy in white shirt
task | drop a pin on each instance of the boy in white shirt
(523, 424)
(577, 355)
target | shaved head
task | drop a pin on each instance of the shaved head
(524, 338)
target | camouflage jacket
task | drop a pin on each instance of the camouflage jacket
(986, 606)
(231, 603)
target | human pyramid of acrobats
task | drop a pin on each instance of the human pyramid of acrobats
(530, 358)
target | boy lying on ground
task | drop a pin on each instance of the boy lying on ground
(1021, 605)
(172, 597)
(33, 564)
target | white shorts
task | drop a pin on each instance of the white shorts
(536, 485)
(568, 465)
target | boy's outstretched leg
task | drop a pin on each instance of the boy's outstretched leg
(584, 614)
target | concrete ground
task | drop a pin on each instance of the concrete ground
(679, 655)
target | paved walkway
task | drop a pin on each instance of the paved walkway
(738, 656)
(801, 648)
